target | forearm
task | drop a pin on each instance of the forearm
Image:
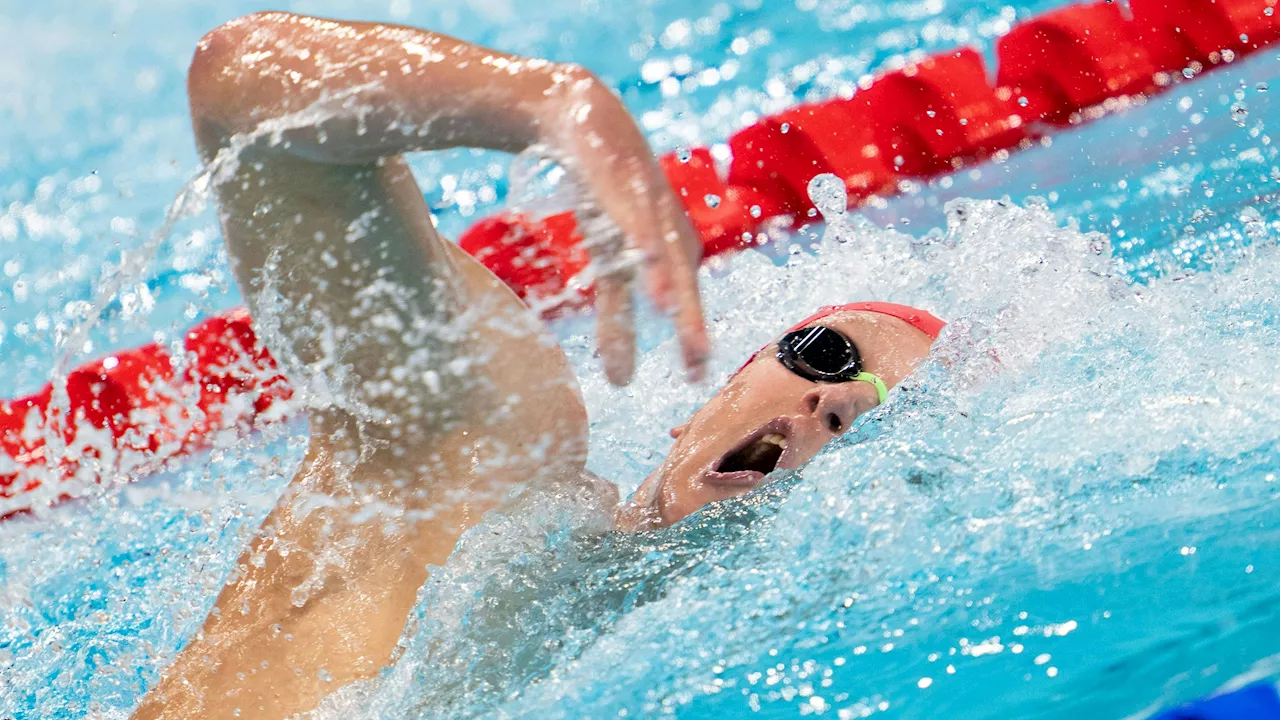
(351, 92)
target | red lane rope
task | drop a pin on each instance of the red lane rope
(131, 411)
(926, 119)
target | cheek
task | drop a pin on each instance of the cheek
(767, 388)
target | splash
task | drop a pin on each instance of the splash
(996, 531)
(1068, 420)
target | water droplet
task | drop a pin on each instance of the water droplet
(785, 128)
(1188, 73)
(1023, 101)
(1255, 227)
(755, 211)
(1269, 12)
(712, 200)
(683, 154)
(1240, 113)
(828, 194)
(1261, 87)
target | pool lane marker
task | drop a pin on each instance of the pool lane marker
(129, 413)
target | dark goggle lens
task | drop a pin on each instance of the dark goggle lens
(820, 353)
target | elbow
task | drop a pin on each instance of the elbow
(575, 88)
(576, 81)
(212, 62)
(216, 80)
(212, 72)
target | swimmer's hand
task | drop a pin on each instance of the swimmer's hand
(344, 93)
(629, 217)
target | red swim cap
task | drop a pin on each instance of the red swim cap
(925, 322)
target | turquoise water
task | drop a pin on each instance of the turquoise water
(1073, 512)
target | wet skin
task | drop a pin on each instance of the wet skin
(765, 402)
(432, 392)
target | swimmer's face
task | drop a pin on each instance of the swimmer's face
(768, 418)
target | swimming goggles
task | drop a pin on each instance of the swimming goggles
(822, 354)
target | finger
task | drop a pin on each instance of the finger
(683, 250)
(691, 327)
(613, 268)
(657, 275)
(672, 228)
(615, 326)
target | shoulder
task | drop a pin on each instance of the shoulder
(605, 492)
(579, 499)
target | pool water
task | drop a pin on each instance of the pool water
(1071, 512)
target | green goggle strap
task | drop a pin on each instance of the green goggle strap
(882, 392)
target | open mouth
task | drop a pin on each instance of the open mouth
(756, 456)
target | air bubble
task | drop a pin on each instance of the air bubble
(712, 200)
(683, 154)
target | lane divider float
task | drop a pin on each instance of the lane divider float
(132, 411)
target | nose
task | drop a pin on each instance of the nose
(835, 405)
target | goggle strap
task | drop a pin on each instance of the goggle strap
(882, 392)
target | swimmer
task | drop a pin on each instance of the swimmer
(433, 393)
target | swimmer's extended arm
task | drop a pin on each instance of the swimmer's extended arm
(431, 391)
(339, 92)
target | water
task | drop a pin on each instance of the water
(1071, 512)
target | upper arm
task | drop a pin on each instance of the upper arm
(331, 241)
(344, 92)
